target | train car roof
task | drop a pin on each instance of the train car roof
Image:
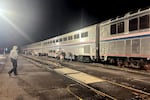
(128, 14)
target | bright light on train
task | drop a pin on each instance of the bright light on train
(82, 40)
(57, 43)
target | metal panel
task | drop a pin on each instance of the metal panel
(116, 48)
(145, 46)
(119, 45)
(128, 47)
(87, 49)
(136, 46)
(111, 48)
(104, 48)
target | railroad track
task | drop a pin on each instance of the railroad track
(135, 94)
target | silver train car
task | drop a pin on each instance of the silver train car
(124, 41)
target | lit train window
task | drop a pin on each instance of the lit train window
(85, 34)
(144, 22)
(56, 40)
(65, 38)
(133, 24)
(69, 37)
(120, 27)
(76, 36)
(50, 50)
(60, 40)
(45, 43)
(113, 29)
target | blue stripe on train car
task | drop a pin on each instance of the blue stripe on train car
(124, 38)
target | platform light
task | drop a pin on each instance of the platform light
(4, 13)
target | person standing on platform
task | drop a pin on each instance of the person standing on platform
(13, 57)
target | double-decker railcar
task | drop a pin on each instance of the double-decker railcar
(124, 41)
(34, 49)
(74, 45)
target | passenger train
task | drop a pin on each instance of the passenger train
(124, 41)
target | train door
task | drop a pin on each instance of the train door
(97, 43)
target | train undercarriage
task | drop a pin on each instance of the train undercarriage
(129, 62)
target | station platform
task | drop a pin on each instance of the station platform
(36, 83)
(32, 78)
(9, 88)
(102, 76)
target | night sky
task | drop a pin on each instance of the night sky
(28, 21)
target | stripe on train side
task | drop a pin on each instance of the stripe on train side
(127, 35)
(123, 38)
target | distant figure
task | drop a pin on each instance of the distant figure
(13, 57)
(70, 56)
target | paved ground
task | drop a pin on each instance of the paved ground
(36, 83)
(106, 79)
(9, 88)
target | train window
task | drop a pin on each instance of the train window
(85, 34)
(65, 38)
(53, 41)
(60, 40)
(50, 51)
(44, 43)
(120, 27)
(113, 29)
(76, 36)
(69, 37)
(57, 40)
(133, 24)
(144, 22)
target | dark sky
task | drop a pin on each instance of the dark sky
(28, 21)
